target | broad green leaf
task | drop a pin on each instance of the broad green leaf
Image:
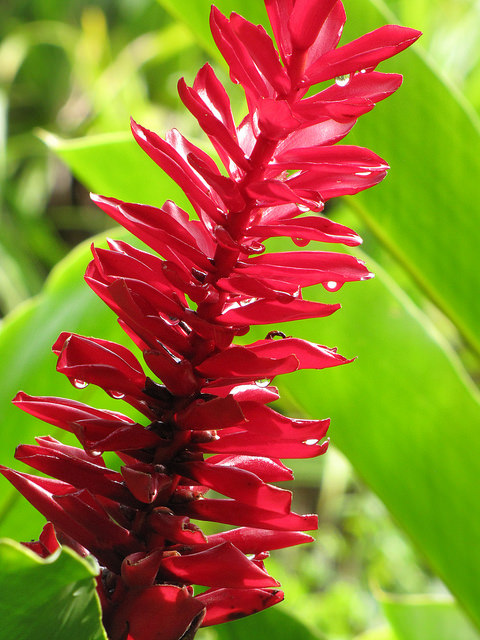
(52, 598)
(275, 623)
(427, 618)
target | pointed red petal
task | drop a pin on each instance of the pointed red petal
(220, 566)
(161, 612)
(224, 605)
(364, 53)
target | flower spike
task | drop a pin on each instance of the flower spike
(205, 398)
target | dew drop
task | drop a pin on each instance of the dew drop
(312, 441)
(264, 382)
(303, 208)
(271, 335)
(247, 301)
(363, 71)
(94, 453)
(342, 81)
(80, 384)
(118, 395)
(332, 285)
(300, 242)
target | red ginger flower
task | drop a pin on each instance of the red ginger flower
(183, 311)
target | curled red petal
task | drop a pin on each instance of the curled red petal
(175, 529)
(220, 566)
(308, 354)
(217, 413)
(364, 53)
(224, 605)
(278, 14)
(242, 67)
(75, 471)
(161, 612)
(238, 483)
(47, 544)
(239, 362)
(253, 540)
(242, 442)
(101, 362)
(178, 169)
(268, 469)
(268, 311)
(308, 228)
(237, 513)
(261, 49)
(329, 35)
(306, 20)
(220, 133)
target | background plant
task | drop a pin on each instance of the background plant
(414, 440)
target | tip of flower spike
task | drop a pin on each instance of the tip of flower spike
(137, 130)
(60, 342)
(20, 397)
(415, 34)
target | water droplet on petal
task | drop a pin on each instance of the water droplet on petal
(247, 301)
(303, 208)
(332, 285)
(342, 81)
(312, 441)
(94, 453)
(300, 242)
(271, 335)
(264, 382)
(79, 384)
(118, 395)
(363, 71)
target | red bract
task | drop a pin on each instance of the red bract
(207, 424)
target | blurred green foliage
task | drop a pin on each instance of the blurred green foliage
(78, 69)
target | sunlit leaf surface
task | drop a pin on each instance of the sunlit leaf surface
(427, 618)
(53, 598)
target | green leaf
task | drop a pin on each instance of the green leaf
(100, 160)
(52, 598)
(427, 618)
(275, 623)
